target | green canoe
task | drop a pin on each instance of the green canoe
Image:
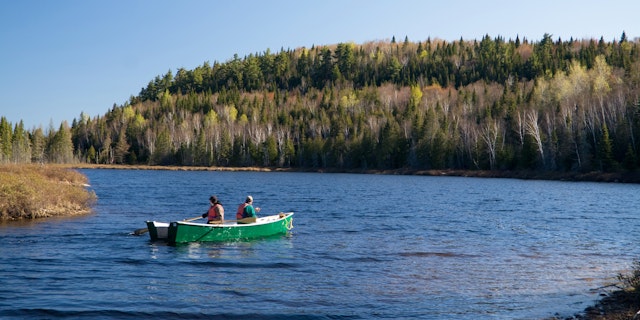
(184, 231)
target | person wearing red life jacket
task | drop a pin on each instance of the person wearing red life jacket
(216, 211)
(246, 209)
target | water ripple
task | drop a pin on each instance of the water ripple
(363, 246)
(117, 314)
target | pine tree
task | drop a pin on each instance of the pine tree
(6, 144)
(21, 147)
(630, 160)
(121, 150)
(38, 146)
(607, 162)
(60, 148)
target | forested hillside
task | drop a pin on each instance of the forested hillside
(551, 105)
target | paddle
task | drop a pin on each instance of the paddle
(139, 232)
(142, 231)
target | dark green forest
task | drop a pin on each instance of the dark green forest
(490, 104)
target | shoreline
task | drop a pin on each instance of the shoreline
(611, 177)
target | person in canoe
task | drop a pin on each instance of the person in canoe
(216, 211)
(246, 210)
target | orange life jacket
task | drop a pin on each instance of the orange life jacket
(240, 212)
(213, 214)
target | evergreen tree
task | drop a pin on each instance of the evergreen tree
(163, 153)
(6, 140)
(91, 155)
(21, 146)
(607, 162)
(60, 147)
(38, 146)
(121, 150)
(630, 159)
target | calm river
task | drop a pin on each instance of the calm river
(362, 247)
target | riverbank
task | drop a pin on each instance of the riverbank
(30, 191)
(623, 303)
(616, 177)
(619, 305)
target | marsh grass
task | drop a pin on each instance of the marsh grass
(39, 191)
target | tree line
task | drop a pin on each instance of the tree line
(491, 104)
(19, 145)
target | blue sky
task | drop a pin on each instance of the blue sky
(60, 58)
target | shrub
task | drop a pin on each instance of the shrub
(36, 191)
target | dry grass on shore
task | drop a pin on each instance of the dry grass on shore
(38, 191)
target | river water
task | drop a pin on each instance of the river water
(362, 247)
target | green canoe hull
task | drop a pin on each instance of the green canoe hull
(183, 232)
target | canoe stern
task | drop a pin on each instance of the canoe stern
(158, 230)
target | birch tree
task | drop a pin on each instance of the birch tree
(532, 128)
(489, 134)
